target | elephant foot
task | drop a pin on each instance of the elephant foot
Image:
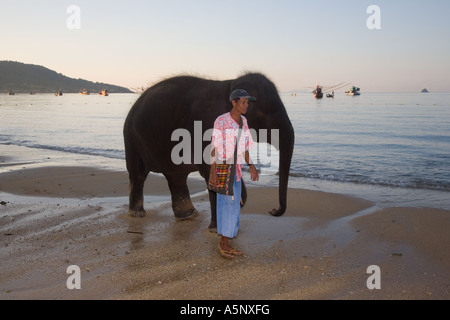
(139, 213)
(190, 214)
(213, 226)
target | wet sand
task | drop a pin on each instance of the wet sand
(53, 216)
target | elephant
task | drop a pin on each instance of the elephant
(180, 102)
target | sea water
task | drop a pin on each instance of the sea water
(391, 148)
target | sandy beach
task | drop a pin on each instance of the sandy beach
(53, 216)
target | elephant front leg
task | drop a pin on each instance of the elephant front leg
(136, 200)
(181, 199)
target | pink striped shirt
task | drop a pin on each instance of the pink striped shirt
(224, 140)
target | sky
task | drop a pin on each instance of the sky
(297, 44)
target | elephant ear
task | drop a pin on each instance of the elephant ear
(269, 113)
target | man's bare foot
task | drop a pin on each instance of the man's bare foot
(226, 250)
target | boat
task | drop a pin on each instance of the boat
(318, 94)
(59, 93)
(103, 93)
(330, 95)
(85, 92)
(353, 91)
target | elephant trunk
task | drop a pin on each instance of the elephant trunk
(286, 150)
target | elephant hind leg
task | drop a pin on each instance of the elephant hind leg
(204, 172)
(137, 173)
(181, 200)
(136, 201)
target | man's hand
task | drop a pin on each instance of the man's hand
(254, 173)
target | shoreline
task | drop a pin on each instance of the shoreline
(54, 214)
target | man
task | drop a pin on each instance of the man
(226, 128)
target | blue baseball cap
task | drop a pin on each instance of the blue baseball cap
(241, 93)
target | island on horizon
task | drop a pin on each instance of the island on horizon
(18, 77)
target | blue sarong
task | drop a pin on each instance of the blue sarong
(229, 211)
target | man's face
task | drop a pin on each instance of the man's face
(241, 105)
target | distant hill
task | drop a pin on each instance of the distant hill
(23, 78)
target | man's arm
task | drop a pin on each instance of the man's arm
(253, 172)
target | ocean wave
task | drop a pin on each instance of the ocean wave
(417, 184)
(107, 153)
(411, 183)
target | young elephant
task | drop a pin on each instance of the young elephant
(184, 102)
